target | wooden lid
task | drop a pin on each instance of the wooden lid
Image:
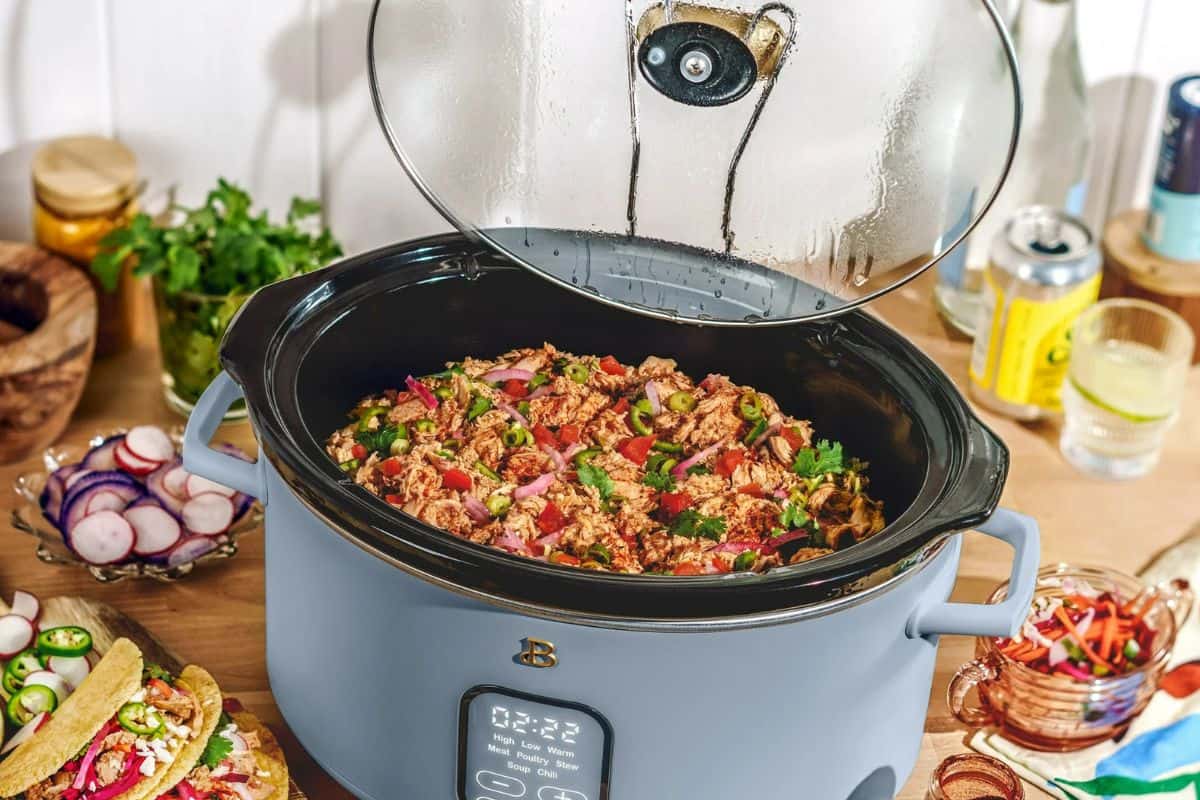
(1126, 254)
(82, 175)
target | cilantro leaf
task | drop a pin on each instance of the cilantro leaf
(692, 524)
(216, 750)
(813, 462)
(590, 475)
(794, 517)
(150, 671)
(378, 441)
(659, 480)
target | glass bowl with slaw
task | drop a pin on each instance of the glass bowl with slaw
(1084, 665)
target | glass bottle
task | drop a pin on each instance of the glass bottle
(1052, 155)
(84, 187)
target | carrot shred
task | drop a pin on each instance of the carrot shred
(1083, 645)
(1032, 655)
(1106, 641)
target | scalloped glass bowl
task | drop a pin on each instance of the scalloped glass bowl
(27, 518)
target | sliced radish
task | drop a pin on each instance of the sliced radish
(208, 514)
(155, 530)
(26, 605)
(72, 669)
(103, 538)
(190, 549)
(175, 482)
(93, 658)
(52, 681)
(197, 486)
(149, 444)
(134, 464)
(25, 734)
(105, 501)
(100, 457)
(235, 739)
(16, 634)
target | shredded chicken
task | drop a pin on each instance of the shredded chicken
(612, 500)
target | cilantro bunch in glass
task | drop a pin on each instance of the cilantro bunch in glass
(205, 263)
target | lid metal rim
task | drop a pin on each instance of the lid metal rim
(479, 237)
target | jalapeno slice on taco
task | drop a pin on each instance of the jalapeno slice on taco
(241, 760)
(118, 735)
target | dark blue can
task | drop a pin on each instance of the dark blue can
(1173, 225)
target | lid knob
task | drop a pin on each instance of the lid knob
(698, 64)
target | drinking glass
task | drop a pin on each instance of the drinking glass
(1125, 386)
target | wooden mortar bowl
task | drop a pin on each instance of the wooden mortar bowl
(47, 335)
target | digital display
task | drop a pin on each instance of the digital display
(514, 745)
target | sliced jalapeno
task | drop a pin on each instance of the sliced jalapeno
(348, 466)
(21, 666)
(11, 684)
(539, 379)
(140, 719)
(498, 504)
(443, 393)
(486, 470)
(577, 372)
(479, 406)
(369, 414)
(29, 702)
(68, 640)
(514, 436)
(584, 456)
(638, 421)
(644, 406)
(425, 426)
(758, 430)
(668, 464)
(399, 447)
(750, 406)
(681, 402)
(523, 408)
(745, 560)
(599, 553)
(668, 447)
(453, 445)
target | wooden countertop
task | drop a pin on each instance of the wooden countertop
(216, 616)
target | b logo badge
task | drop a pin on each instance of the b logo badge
(538, 653)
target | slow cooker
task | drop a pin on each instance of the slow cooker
(719, 184)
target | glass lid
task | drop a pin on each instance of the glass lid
(727, 163)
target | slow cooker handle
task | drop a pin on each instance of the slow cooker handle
(1000, 619)
(202, 460)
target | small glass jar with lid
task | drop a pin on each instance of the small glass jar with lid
(84, 187)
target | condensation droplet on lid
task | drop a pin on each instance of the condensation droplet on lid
(717, 293)
(556, 252)
(860, 279)
(508, 220)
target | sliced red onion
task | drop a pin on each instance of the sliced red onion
(93, 751)
(511, 374)
(535, 488)
(770, 431)
(560, 463)
(548, 541)
(541, 391)
(516, 416)
(186, 791)
(711, 569)
(510, 540)
(1074, 671)
(574, 449)
(421, 391)
(1058, 653)
(652, 396)
(680, 470)
(790, 536)
(131, 777)
(476, 510)
(779, 494)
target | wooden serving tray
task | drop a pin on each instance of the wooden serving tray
(106, 625)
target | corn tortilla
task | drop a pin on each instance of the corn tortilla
(75, 723)
(201, 684)
(271, 764)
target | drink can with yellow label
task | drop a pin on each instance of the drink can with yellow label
(1043, 271)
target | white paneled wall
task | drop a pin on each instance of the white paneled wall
(273, 95)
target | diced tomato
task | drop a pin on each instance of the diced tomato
(568, 434)
(611, 366)
(358, 451)
(688, 568)
(543, 435)
(160, 687)
(720, 564)
(394, 499)
(515, 388)
(551, 520)
(728, 461)
(390, 466)
(621, 406)
(456, 479)
(564, 558)
(636, 449)
(752, 489)
(792, 437)
(674, 502)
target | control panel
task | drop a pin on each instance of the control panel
(518, 745)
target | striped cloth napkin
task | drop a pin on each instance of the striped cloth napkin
(1159, 756)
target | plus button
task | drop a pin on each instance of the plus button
(556, 793)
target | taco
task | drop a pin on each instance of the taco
(241, 760)
(134, 723)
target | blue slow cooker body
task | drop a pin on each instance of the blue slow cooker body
(369, 665)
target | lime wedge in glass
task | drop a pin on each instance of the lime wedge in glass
(1128, 379)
